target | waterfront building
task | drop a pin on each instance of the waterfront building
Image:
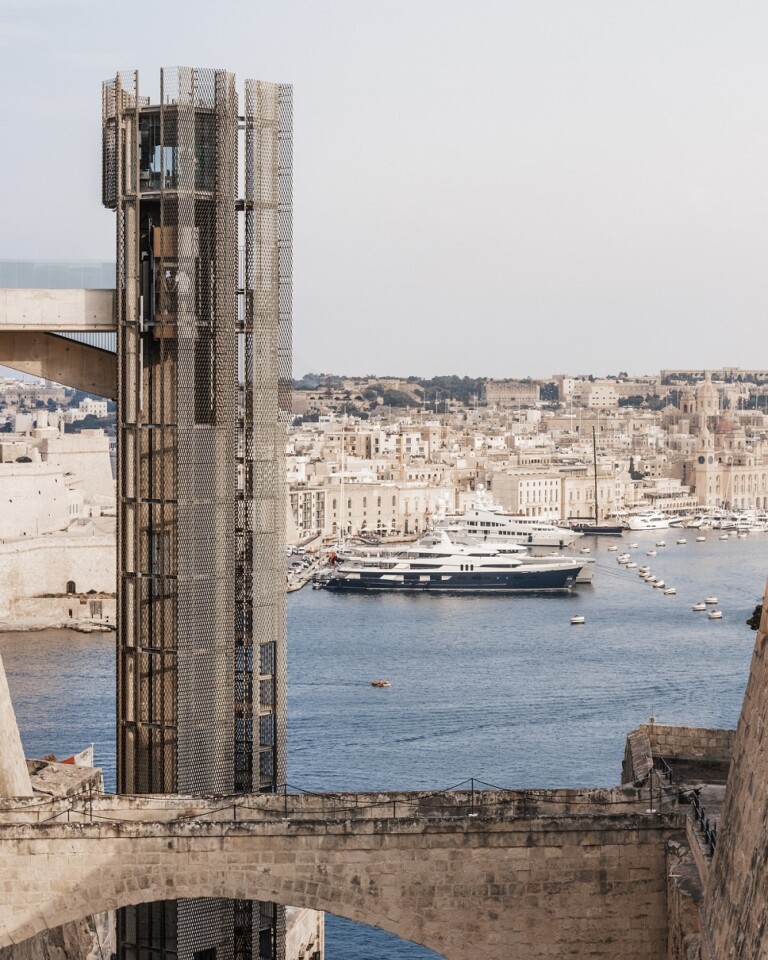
(203, 359)
(534, 494)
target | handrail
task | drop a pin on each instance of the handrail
(708, 828)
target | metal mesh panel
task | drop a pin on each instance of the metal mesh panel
(206, 389)
(266, 365)
(201, 658)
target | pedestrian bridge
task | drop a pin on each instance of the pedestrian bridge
(497, 874)
(36, 328)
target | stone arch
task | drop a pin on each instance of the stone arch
(112, 882)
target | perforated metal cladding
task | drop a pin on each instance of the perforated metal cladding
(206, 384)
(266, 403)
(203, 400)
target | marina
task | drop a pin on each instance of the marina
(501, 688)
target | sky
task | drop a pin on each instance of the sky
(496, 188)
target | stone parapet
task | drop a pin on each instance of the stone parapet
(689, 742)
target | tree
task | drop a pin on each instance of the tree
(397, 398)
(754, 621)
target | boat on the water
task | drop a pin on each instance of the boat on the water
(487, 521)
(715, 614)
(380, 683)
(652, 520)
(598, 529)
(575, 621)
(699, 607)
(438, 564)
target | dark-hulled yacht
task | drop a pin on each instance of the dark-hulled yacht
(439, 564)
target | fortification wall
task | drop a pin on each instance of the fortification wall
(701, 743)
(30, 568)
(736, 903)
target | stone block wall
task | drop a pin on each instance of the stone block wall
(690, 742)
(43, 565)
(512, 889)
(736, 903)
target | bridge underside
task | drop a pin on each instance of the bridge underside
(62, 360)
(31, 324)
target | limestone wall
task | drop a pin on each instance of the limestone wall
(29, 568)
(537, 888)
(34, 500)
(736, 904)
(638, 757)
(304, 934)
(89, 939)
(84, 606)
(86, 456)
(689, 742)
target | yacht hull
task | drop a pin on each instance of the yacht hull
(514, 581)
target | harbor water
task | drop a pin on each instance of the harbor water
(500, 689)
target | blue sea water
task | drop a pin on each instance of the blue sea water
(500, 689)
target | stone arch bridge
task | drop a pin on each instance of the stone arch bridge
(495, 874)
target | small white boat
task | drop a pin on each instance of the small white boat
(723, 536)
(633, 546)
(645, 568)
(651, 553)
(651, 580)
(575, 621)
(612, 549)
(715, 614)
(682, 540)
(631, 565)
(701, 539)
(624, 558)
(710, 600)
(670, 591)
(698, 607)
(661, 543)
(742, 536)
(659, 585)
(584, 550)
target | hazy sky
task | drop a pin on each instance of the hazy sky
(493, 188)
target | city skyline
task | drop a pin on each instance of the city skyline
(501, 191)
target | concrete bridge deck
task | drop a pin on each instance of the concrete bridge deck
(31, 324)
(498, 874)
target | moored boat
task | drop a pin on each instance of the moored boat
(652, 520)
(438, 564)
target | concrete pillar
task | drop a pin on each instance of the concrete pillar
(14, 776)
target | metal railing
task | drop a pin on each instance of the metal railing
(707, 827)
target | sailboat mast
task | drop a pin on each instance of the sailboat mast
(594, 460)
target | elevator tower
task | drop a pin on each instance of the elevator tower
(202, 192)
